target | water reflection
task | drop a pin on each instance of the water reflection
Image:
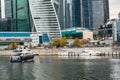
(115, 66)
(61, 68)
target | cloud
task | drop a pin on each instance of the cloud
(114, 8)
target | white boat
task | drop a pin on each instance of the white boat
(63, 53)
(87, 52)
(23, 54)
(18, 51)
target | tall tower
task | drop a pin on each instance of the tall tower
(2, 9)
(5, 15)
(119, 16)
(45, 18)
(89, 14)
(21, 16)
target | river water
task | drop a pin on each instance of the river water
(61, 68)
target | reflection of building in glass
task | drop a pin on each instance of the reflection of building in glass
(5, 15)
(98, 13)
(0, 9)
(21, 16)
(8, 13)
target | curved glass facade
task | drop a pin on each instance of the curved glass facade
(45, 17)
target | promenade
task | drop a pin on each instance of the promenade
(41, 52)
(54, 51)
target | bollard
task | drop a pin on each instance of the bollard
(71, 54)
(108, 53)
(112, 53)
(68, 53)
(74, 54)
(104, 53)
(78, 54)
(116, 53)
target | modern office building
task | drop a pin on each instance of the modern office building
(80, 33)
(0, 9)
(31, 16)
(20, 18)
(110, 31)
(89, 14)
(5, 15)
(100, 13)
(45, 17)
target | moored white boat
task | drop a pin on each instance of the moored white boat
(23, 55)
(63, 53)
(87, 52)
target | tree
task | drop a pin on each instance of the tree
(81, 42)
(62, 42)
(76, 42)
(13, 45)
(55, 42)
(30, 46)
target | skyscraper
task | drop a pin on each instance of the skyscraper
(31, 15)
(100, 13)
(21, 16)
(89, 14)
(0, 9)
(45, 17)
(5, 15)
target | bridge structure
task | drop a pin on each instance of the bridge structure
(8, 37)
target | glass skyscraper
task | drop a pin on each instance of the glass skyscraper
(5, 15)
(21, 16)
(89, 14)
(45, 17)
(31, 16)
(0, 9)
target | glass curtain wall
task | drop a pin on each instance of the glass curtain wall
(0, 9)
(21, 16)
(5, 23)
(45, 17)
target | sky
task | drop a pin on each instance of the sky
(114, 8)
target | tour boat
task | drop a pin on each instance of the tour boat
(22, 55)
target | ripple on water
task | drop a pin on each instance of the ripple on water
(56, 68)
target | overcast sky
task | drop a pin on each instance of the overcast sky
(114, 8)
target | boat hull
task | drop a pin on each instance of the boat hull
(21, 58)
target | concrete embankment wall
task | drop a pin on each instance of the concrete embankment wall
(102, 50)
(46, 52)
(6, 52)
(43, 52)
(54, 51)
